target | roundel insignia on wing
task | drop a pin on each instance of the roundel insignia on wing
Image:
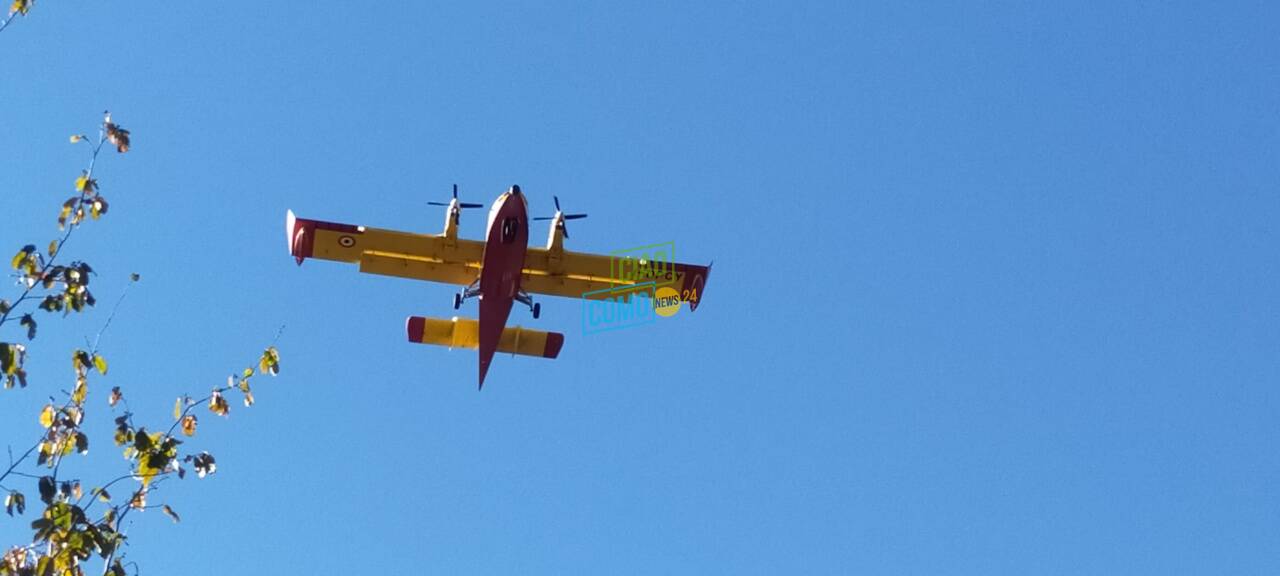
(346, 241)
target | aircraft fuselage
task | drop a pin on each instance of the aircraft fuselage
(506, 243)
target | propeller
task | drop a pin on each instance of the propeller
(460, 204)
(562, 216)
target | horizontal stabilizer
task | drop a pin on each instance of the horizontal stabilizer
(465, 333)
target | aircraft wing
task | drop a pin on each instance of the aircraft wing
(458, 261)
(598, 276)
(386, 252)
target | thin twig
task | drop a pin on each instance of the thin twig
(102, 139)
(94, 349)
(6, 22)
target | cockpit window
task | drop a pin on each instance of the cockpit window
(509, 228)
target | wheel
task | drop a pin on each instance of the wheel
(537, 309)
(457, 301)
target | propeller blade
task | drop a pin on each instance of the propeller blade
(460, 204)
(560, 214)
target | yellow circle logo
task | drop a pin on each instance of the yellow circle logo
(666, 301)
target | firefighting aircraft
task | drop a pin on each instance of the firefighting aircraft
(500, 270)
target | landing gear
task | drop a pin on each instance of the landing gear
(527, 300)
(468, 292)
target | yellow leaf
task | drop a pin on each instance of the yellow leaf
(270, 361)
(218, 404)
(81, 182)
(21, 257)
(189, 424)
(76, 138)
(53, 247)
(248, 399)
(177, 408)
(46, 416)
(81, 390)
(100, 363)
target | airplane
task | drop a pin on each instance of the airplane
(498, 271)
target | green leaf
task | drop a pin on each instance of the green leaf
(11, 356)
(15, 501)
(30, 323)
(270, 361)
(48, 488)
(142, 440)
(51, 304)
(80, 360)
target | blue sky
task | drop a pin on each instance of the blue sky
(995, 287)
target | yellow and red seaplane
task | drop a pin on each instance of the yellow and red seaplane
(499, 271)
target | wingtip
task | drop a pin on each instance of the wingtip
(296, 236)
(289, 221)
(699, 286)
(414, 326)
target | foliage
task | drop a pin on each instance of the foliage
(17, 8)
(66, 534)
